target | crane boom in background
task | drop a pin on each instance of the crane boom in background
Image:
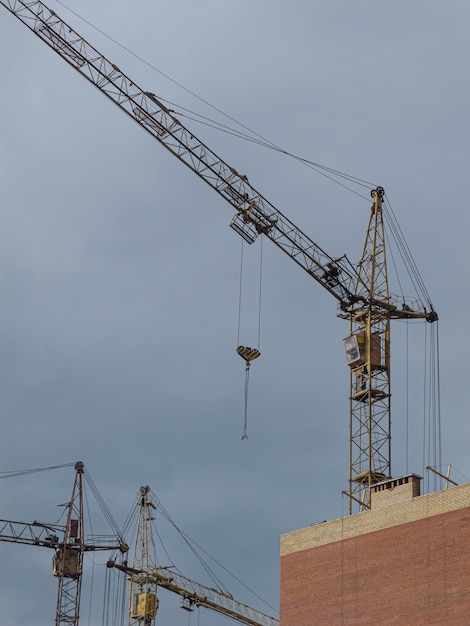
(195, 595)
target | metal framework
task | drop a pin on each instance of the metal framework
(143, 600)
(67, 563)
(362, 293)
(370, 422)
(145, 577)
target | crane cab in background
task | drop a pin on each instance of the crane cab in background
(146, 604)
(65, 562)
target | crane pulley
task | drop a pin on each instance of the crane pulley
(362, 293)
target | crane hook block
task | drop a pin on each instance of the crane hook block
(249, 354)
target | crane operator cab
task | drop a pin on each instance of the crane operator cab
(355, 348)
(65, 563)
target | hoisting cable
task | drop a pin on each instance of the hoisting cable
(260, 290)
(190, 544)
(101, 503)
(240, 293)
(193, 545)
(12, 474)
(90, 601)
(104, 508)
(435, 447)
(406, 255)
(432, 442)
(249, 354)
(114, 604)
(407, 395)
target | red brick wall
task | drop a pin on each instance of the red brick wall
(414, 573)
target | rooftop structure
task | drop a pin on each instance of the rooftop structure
(404, 561)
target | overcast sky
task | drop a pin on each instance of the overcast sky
(119, 275)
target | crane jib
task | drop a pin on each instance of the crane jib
(255, 215)
(197, 595)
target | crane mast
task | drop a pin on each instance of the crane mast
(362, 293)
(146, 576)
(143, 602)
(68, 560)
(368, 357)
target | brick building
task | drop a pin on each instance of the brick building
(405, 561)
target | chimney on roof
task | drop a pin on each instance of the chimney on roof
(395, 490)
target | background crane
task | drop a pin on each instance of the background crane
(146, 576)
(362, 293)
(68, 542)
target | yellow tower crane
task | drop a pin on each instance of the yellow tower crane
(362, 291)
